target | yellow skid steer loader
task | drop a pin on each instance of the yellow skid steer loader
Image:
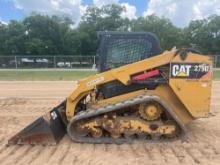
(139, 93)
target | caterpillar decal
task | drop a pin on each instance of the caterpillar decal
(189, 70)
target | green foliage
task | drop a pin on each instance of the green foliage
(204, 34)
(107, 18)
(216, 75)
(53, 75)
(47, 75)
(3, 36)
(71, 42)
(13, 43)
(52, 35)
(168, 34)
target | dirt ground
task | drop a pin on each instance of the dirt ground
(22, 102)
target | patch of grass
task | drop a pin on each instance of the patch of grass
(44, 75)
(216, 75)
(53, 75)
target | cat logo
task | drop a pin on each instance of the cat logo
(179, 70)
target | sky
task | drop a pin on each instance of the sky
(180, 12)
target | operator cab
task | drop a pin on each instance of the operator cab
(121, 48)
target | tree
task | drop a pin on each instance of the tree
(168, 34)
(204, 34)
(214, 28)
(107, 18)
(56, 35)
(3, 37)
(40, 31)
(71, 42)
(14, 38)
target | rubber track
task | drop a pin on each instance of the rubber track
(114, 108)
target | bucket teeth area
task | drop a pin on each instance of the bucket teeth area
(46, 130)
(38, 132)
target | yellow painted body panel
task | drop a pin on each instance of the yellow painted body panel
(121, 74)
(195, 94)
(188, 98)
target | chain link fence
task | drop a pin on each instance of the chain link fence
(30, 62)
(68, 62)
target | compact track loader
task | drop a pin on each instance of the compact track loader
(140, 93)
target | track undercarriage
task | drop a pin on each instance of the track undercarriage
(138, 118)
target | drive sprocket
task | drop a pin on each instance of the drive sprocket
(150, 111)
